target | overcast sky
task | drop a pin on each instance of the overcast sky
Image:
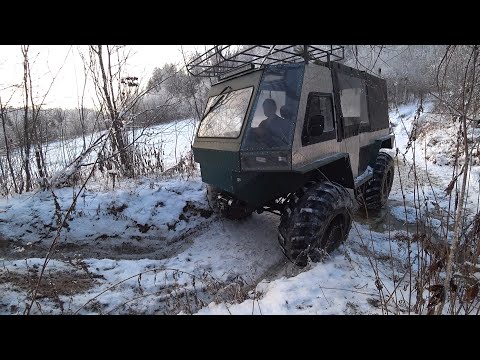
(46, 61)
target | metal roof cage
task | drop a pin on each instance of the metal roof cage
(222, 61)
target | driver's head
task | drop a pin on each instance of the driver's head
(269, 107)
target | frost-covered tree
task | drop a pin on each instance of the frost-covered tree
(187, 94)
(408, 69)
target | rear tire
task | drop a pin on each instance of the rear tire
(316, 221)
(376, 192)
(237, 212)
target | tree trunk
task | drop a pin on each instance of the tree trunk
(4, 176)
(40, 160)
(26, 124)
(7, 148)
(116, 123)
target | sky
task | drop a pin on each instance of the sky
(63, 63)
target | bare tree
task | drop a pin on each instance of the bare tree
(27, 126)
(107, 83)
(408, 69)
(462, 60)
(30, 129)
(3, 116)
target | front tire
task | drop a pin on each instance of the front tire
(316, 221)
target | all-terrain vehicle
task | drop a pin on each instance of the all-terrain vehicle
(287, 129)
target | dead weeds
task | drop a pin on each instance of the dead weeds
(53, 283)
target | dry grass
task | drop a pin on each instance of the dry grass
(52, 284)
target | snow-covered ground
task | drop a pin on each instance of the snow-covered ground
(225, 258)
(153, 246)
(160, 147)
(433, 154)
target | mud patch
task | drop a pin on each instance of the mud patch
(115, 210)
(353, 309)
(3, 246)
(53, 283)
(144, 228)
(190, 209)
(105, 237)
(380, 220)
(127, 248)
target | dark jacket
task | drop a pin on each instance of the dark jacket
(277, 128)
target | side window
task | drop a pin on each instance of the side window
(353, 101)
(319, 122)
(350, 102)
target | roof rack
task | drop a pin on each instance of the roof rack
(222, 60)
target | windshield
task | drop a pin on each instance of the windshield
(275, 109)
(225, 113)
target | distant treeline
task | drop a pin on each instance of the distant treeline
(171, 95)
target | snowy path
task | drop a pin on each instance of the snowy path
(228, 258)
(226, 250)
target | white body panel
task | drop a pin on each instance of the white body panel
(318, 79)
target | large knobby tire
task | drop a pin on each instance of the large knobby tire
(377, 190)
(315, 222)
(233, 213)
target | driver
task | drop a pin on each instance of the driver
(274, 126)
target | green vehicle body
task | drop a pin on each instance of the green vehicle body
(255, 175)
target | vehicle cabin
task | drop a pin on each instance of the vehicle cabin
(275, 124)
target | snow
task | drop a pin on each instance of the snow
(407, 213)
(343, 284)
(367, 173)
(112, 213)
(223, 250)
(331, 290)
(433, 153)
(172, 139)
(227, 252)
